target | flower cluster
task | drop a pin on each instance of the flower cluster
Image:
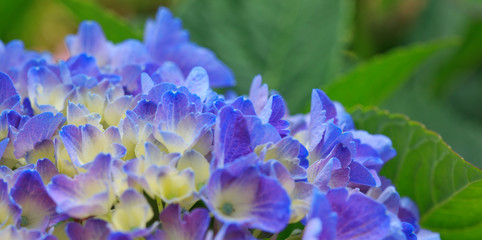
(128, 141)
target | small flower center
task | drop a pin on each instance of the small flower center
(227, 209)
(23, 221)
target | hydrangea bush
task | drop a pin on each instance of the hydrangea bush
(129, 141)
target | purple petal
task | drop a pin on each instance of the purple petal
(198, 82)
(169, 72)
(173, 108)
(233, 231)
(381, 143)
(258, 93)
(367, 156)
(100, 168)
(146, 83)
(83, 64)
(12, 103)
(88, 194)
(38, 209)
(321, 209)
(120, 236)
(46, 169)
(167, 41)
(408, 212)
(359, 217)
(361, 175)
(408, 230)
(320, 172)
(90, 39)
(274, 112)
(129, 52)
(3, 146)
(331, 136)
(82, 80)
(339, 178)
(7, 91)
(164, 33)
(43, 77)
(390, 198)
(261, 133)
(116, 109)
(72, 138)
(12, 232)
(131, 79)
(322, 108)
(425, 234)
(93, 229)
(13, 211)
(344, 120)
(232, 137)
(322, 111)
(244, 105)
(78, 139)
(146, 110)
(286, 151)
(189, 55)
(264, 203)
(155, 93)
(193, 225)
(39, 128)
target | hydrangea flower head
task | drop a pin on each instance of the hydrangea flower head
(130, 141)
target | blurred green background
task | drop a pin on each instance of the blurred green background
(422, 58)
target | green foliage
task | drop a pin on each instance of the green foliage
(294, 45)
(115, 28)
(447, 189)
(467, 56)
(463, 134)
(373, 81)
(10, 10)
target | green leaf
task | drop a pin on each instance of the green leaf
(439, 19)
(467, 57)
(12, 10)
(115, 28)
(371, 82)
(294, 45)
(463, 134)
(446, 188)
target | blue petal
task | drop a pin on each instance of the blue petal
(258, 93)
(8, 94)
(29, 192)
(91, 40)
(93, 229)
(155, 93)
(244, 105)
(321, 209)
(83, 64)
(274, 112)
(264, 203)
(261, 133)
(198, 82)
(167, 41)
(408, 230)
(39, 128)
(359, 217)
(232, 137)
(361, 175)
(233, 231)
(322, 108)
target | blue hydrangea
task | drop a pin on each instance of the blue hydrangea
(129, 141)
